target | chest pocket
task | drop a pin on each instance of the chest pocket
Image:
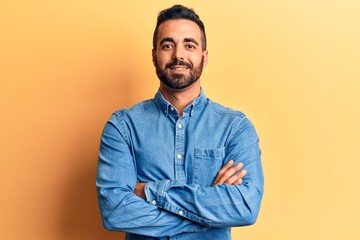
(207, 163)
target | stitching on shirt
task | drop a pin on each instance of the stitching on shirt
(235, 129)
(225, 110)
(142, 106)
(139, 107)
(119, 116)
(220, 109)
(218, 153)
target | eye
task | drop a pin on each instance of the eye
(190, 46)
(167, 46)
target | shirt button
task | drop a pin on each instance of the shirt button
(171, 108)
(153, 202)
(179, 125)
(181, 212)
(178, 156)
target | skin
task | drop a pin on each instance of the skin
(180, 40)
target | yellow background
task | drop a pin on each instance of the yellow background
(291, 65)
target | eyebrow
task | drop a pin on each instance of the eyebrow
(191, 40)
(185, 40)
(167, 40)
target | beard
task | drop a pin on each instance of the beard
(179, 81)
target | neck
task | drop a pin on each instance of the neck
(180, 99)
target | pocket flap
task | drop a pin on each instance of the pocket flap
(210, 152)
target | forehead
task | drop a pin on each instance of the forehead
(178, 29)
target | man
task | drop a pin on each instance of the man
(179, 166)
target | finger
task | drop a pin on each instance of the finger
(229, 173)
(223, 170)
(237, 182)
(236, 178)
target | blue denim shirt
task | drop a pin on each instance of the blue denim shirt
(178, 157)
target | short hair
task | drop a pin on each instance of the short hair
(180, 12)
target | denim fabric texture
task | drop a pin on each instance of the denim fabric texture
(178, 157)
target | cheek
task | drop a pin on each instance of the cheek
(160, 61)
(196, 61)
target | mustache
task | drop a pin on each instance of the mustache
(178, 63)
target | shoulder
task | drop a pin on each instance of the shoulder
(121, 118)
(235, 119)
(141, 107)
(226, 111)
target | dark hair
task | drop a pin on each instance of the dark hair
(180, 12)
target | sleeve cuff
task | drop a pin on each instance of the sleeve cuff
(155, 193)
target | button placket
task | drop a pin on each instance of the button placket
(180, 150)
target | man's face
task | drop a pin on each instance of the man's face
(178, 57)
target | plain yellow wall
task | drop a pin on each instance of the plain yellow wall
(291, 66)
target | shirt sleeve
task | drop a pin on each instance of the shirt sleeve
(120, 208)
(220, 205)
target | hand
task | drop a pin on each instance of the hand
(139, 190)
(227, 174)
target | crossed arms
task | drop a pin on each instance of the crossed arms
(229, 174)
(171, 206)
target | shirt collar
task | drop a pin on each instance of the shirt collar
(190, 110)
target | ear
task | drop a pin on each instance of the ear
(205, 55)
(153, 54)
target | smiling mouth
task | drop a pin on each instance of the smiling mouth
(179, 68)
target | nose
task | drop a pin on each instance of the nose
(178, 54)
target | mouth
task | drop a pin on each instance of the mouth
(178, 68)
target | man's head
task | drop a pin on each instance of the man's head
(179, 52)
(180, 12)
